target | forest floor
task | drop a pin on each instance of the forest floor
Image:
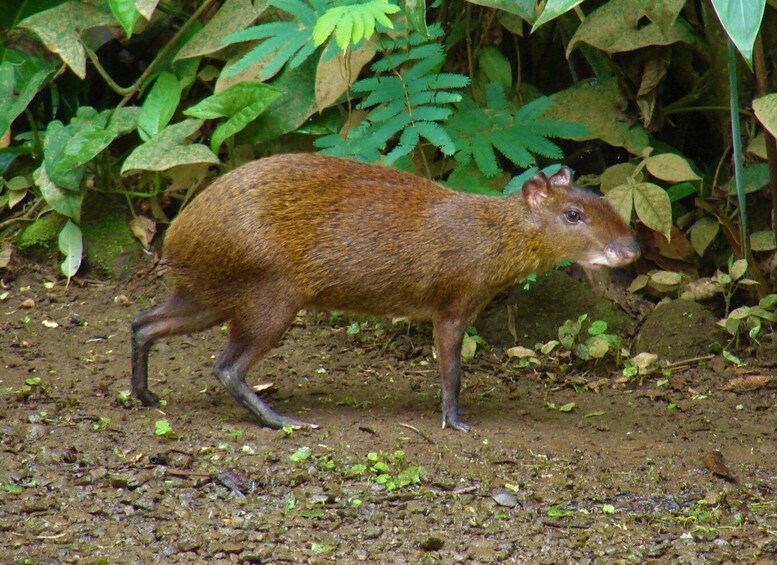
(663, 469)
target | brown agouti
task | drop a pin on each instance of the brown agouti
(309, 231)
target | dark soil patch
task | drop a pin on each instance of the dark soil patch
(620, 479)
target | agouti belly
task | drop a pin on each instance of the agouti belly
(309, 231)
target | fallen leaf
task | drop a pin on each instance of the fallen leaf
(520, 352)
(751, 382)
(144, 229)
(716, 464)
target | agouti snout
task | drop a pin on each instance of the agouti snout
(309, 231)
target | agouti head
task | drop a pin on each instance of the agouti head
(315, 232)
(578, 224)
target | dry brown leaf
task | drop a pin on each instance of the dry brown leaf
(751, 382)
(144, 229)
(716, 464)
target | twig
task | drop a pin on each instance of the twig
(419, 432)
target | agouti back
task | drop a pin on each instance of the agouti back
(309, 231)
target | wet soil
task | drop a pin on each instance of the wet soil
(676, 468)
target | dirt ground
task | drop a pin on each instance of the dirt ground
(628, 475)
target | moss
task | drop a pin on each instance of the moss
(109, 245)
(39, 239)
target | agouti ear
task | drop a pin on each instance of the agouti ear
(563, 176)
(535, 190)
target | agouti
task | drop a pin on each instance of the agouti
(310, 231)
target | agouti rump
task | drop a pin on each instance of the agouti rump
(309, 231)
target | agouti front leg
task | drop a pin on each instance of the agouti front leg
(448, 336)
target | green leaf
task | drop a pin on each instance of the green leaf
(20, 81)
(167, 149)
(159, 106)
(763, 241)
(754, 178)
(765, 110)
(618, 26)
(651, 203)
(72, 247)
(232, 16)
(126, 13)
(162, 428)
(65, 202)
(567, 407)
(322, 548)
(622, 199)
(741, 19)
(522, 8)
(552, 10)
(241, 103)
(495, 67)
(670, 167)
(351, 22)
(594, 104)
(55, 141)
(597, 327)
(302, 454)
(60, 28)
(703, 233)
(415, 10)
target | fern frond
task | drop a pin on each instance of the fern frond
(517, 135)
(349, 23)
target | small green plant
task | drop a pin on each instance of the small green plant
(101, 423)
(597, 345)
(163, 428)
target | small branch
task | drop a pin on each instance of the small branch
(419, 432)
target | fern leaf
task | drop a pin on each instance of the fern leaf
(495, 96)
(562, 129)
(407, 142)
(533, 109)
(300, 10)
(484, 156)
(516, 152)
(437, 135)
(432, 113)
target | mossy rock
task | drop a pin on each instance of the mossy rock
(39, 239)
(109, 245)
(680, 329)
(539, 312)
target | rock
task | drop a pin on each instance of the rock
(680, 329)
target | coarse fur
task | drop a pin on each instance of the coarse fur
(310, 231)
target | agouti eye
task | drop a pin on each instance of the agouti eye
(573, 216)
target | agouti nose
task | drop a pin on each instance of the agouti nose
(622, 253)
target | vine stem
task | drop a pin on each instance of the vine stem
(164, 52)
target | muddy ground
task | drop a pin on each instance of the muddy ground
(89, 475)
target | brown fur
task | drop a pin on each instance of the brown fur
(310, 231)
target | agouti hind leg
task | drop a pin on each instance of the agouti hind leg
(251, 335)
(180, 314)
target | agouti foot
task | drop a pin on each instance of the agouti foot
(148, 398)
(456, 425)
(280, 422)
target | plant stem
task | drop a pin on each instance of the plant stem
(736, 140)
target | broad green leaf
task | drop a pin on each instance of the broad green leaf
(523, 8)
(240, 103)
(146, 7)
(159, 106)
(617, 26)
(495, 67)
(415, 10)
(741, 19)
(670, 167)
(617, 175)
(595, 104)
(763, 241)
(622, 199)
(765, 110)
(60, 31)
(233, 16)
(290, 111)
(738, 269)
(126, 13)
(66, 202)
(167, 149)
(55, 141)
(598, 346)
(651, 203)
(19, 83)
(663, 13)
(754, 178)
(553, 9)
(681, 190)
(72, 247)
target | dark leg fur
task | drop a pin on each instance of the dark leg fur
(180, 314)
(246, 346)
(448, 335)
